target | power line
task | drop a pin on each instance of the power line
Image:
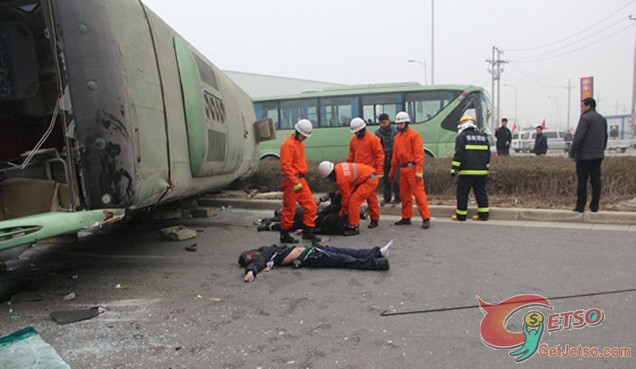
(536, 58)
(587, 29)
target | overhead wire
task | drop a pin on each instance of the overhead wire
(587, 29)
(539, 57)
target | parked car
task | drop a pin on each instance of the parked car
(518, 139)
(555, 140)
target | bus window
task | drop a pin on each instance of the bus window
(267, 109)
(294, 110)
(471, 104)
(374, 105)
(422, 106)
(338, 111)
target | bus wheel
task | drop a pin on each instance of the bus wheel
(270, 158)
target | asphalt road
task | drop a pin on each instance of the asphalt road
(170, 308)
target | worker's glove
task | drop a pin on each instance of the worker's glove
(298, 187)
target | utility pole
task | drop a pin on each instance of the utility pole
(633, 117)
(495, 70)
(570, 87)
(432, 42)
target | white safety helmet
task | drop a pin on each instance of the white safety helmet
(466, 122)
(304, 127)
(325, 168)
(402, 117)
(357, 124)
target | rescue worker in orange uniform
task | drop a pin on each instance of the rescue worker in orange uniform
(293, 167)
(366, 149)
(356, 183)
(408, 159)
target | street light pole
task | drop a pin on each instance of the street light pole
(423, 64)
(432, 42)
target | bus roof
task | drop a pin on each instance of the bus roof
(368, 89)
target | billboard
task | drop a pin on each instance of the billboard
(587, 87)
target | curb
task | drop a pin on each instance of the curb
(445, 211)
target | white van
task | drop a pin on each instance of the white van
(555, 140)
(518, 139)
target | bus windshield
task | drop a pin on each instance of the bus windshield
(434, 110)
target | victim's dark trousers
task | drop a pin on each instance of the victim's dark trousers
(588, 169)
(339, 257)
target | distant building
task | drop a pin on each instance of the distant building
(620, 126)
(261, 85)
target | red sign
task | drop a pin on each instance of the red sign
(587, 87)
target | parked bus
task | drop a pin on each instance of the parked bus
(434, 110)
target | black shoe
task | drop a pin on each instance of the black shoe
(382, 263)
(308, 234)
(577, 210)
(426, 224)
(403, 221)
(373, 224)
(594, 210)
(396, 201)
(286, 238)
(351, 232)
(262, 227)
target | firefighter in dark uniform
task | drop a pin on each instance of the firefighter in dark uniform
(470, 163)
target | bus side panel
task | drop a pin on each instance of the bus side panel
(241, 155)
(146, 100)
(99, 101)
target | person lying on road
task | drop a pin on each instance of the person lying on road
(313, 256)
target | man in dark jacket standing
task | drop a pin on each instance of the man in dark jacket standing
(540, 142)
(588, 150)
(471, 163)
(504, 137)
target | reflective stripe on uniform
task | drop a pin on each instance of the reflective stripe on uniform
(456, 163)
(477, 147)
(473, 172)
(355, 172)
(483, 210)
(461, 212)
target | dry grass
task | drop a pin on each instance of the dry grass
(528, 181)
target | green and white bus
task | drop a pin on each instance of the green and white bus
(434, 110)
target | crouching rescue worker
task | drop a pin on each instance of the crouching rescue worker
(313, 256)
(408, 161)
(293, 167)
(366, 149)
(356, 183)
(471, 163)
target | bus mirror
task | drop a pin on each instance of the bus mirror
(264, 130)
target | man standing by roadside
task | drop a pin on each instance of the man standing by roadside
(366, 149)
(293, 167)
(588, 150)
(386, 133)
(408, 159)
(504, 137)
(540, 142)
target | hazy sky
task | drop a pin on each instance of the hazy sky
(545, 42)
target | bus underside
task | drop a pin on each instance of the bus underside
(39, 186)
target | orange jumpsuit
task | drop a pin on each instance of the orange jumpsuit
(408, 158)
(293, 167)
(368, 150)
(356, 182)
